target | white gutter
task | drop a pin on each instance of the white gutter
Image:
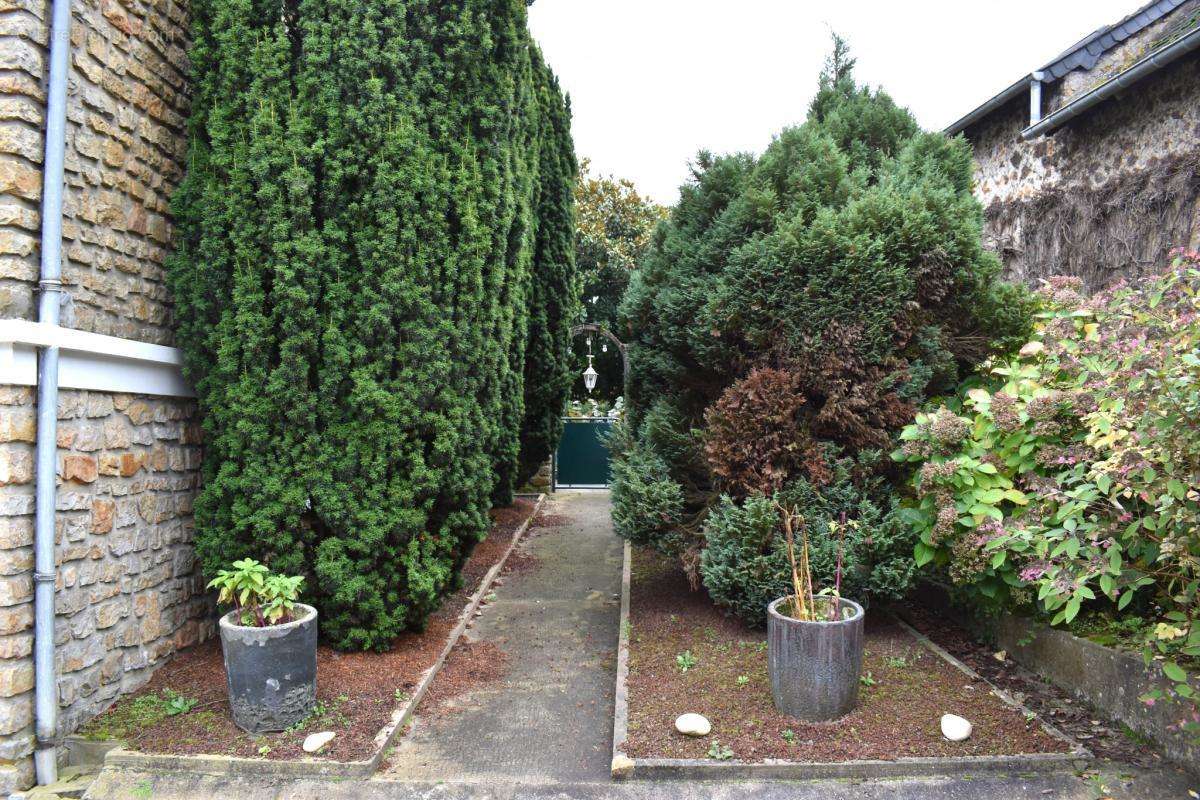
(1139, 70)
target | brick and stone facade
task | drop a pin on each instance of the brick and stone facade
(128, 592)
(1111, 192)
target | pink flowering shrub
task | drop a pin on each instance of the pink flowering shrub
(1073, 479)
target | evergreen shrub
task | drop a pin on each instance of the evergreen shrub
(355, 248)
(745, 564)
(797, 307)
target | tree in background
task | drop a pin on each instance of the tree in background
(793, 312)
(354, 263)
(613, 230)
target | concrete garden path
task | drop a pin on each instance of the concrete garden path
(550, 717)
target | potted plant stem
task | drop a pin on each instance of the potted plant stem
(814, 639)
(270, 645)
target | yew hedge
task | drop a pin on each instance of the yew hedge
(373, 241)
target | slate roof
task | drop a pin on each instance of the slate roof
(1084, 54)
(1087, 51)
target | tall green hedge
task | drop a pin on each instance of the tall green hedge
(354, 257)
(554, 295)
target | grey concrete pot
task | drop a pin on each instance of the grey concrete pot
(815, 666)
(272, 671)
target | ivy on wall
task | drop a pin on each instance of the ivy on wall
(359, 242)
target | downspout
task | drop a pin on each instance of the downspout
(45, 756)
(1157, 60)
(1035, 97)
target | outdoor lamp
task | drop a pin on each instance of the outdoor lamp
(590, 375)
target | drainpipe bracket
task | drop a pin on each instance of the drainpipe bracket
(44, 577)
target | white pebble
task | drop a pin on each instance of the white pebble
(693, 725)
(315, 741)
(955, 728)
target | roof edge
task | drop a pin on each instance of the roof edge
(988, 106)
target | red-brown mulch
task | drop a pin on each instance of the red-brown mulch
(1105, 738)
(898, 716)
(470, 666)
(356, 692)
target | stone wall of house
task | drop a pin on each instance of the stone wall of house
(128, 591)
(128, 594)
(1110, 193)
(126, 113)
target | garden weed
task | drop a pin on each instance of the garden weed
(131, 716)
(718, 751)
(686, 660)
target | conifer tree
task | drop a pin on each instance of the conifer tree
(554, 290)
(797, 307)
(355, 241)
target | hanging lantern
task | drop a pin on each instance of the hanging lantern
(590, 376)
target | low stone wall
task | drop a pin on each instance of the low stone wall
(1108, 679)
(128, 593)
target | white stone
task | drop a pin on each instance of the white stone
(315, 741)
(955, 728)
(693, 725)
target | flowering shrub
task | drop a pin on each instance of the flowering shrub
(1073, 478)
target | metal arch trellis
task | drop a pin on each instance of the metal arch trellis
(592, 327)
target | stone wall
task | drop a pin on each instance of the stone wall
(128, 591)
(128, 594)
(1110, 193)
(126, 113)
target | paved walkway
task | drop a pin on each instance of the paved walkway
(550, 717)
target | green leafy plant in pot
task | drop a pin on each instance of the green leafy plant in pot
(270, 645)
(814, 639)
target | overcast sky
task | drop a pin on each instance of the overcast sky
(654, 81)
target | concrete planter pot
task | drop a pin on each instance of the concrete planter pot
(815, 666)
(272, 671)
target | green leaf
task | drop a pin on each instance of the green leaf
(1071, 610)
(1174, 672)
(1176, 488)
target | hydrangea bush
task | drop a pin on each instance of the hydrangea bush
(1072, 479)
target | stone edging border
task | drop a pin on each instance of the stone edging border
(697, 769)
(622, 765)
(235, 765)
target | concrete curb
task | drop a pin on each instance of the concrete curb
(237, 766)
(702, 769)
(623, 765)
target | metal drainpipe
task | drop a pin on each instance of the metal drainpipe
(1035, 97)
(45, 756)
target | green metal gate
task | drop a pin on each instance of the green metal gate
(581, 461)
